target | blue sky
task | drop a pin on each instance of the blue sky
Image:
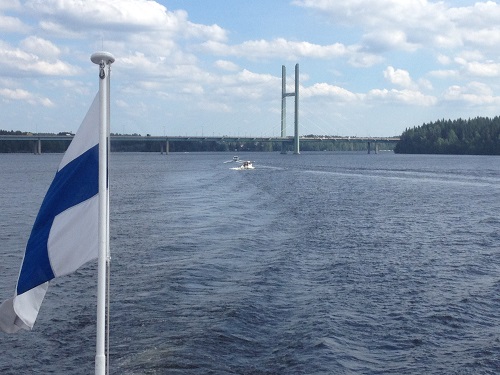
(213, 67)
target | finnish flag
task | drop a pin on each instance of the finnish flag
(65, 232)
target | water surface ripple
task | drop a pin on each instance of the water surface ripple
(323, 263)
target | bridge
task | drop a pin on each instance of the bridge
(164, 141)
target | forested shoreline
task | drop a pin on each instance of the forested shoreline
(477, 136)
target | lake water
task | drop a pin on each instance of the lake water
(319, 263)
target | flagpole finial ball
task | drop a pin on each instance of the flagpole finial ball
(97, 57)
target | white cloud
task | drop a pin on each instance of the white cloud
(161, 68)
(212, 106)
(398, 77)
(72, 88)
(444, 73)
(410, 24)
(406, 96)
(11, 24)
(193, 89)
(120, 16)
(410, 97)
(324, 89)
(465, 55)
(211, 32)
(9, 4)
(476, 16)
(40, 47)
(226, 65)
(14, 61)
(23, 95)
(444, 60)
(385, 40)
(425, 84)
(60, 30)
(381, 13)
(121, 103)
(245, 84)
(46, 102)
(474, 93)
(144, 36)
(16, 94)
(255, 78)
(279, 47)
(487, 36)
(481, 69)
(142, 14)
(361, 59)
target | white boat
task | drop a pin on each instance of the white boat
(245, 165)
(234, 159)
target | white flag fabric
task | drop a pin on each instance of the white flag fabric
(65, 233)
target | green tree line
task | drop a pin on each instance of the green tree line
(477, 136)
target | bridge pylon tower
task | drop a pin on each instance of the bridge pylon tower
(284, 95)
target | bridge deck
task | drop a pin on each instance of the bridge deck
(202, 138)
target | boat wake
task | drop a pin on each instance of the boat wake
(243, 167)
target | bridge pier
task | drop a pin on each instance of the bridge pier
(283, 108)
(37, 147)
(284, 94)
(296, 148)
(165, 147)
(283, 148)
(375, 145)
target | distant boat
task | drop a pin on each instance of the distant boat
(234, 159)
(245, 165)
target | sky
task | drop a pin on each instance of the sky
(213, 67)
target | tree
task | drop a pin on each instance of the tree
(480, 135)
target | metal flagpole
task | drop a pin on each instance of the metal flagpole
(108, 253)
(104, 60)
